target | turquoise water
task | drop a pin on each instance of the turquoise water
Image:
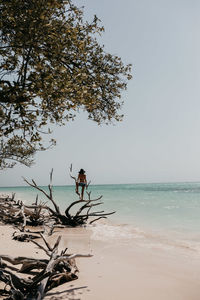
(165, 205)
(165, 209)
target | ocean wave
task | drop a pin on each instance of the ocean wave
(129, 234)
(172, 207)
(110, 232)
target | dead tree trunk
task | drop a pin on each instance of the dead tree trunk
(16, 212)
(20, 215)
(83, 214)
(51, 272)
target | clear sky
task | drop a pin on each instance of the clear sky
(159, 139)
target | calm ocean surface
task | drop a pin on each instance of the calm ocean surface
(166, 213)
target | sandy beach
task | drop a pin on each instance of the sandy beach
(119, 269)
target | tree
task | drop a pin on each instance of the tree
(51, 66)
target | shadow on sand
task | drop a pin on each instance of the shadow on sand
(69, 294)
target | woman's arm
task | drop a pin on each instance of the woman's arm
(78, 178)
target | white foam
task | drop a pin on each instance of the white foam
(126, 233)
(106, 232)
(171, 207)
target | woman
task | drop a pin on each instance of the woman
(81, 181)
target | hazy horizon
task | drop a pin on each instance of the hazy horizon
(102, 184)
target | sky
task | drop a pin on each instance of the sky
(159, 138)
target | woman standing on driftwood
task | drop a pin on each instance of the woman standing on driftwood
(81, 181)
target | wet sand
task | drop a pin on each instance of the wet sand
(119, 268)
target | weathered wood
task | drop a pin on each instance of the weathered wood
(68, 219)
(50, 195)
(24, 237)
(55, 270)
(21, 215)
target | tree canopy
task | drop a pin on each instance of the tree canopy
(52, 65)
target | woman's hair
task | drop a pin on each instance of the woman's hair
(81, 171)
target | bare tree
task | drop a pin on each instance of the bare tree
(50, 272)
(83, 215)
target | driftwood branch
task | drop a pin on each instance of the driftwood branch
(51, 272)
(39, 213)
(21, 215)
(84, 211)
(50, 195)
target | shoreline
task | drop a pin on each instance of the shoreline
(119, 269)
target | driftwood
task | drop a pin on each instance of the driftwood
(24, 237)
(40, 214)
(84, 213)
(19, 214)
(48, 273)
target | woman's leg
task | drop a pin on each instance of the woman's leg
(82, 192)
(77, 189)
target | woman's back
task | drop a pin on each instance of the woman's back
(82, 177)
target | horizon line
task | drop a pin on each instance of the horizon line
(135, 183)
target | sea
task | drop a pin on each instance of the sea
(156, 215)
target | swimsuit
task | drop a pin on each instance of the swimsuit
(82, 184)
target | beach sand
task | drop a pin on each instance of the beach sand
(119, 269)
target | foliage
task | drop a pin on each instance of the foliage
(51, 65)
